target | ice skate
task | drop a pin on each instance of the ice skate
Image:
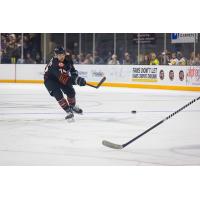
(70, 115)
(76, 109)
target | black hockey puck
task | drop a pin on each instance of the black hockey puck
(133, 111)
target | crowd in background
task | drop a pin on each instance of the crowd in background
(165, 58)
(11, 51)
(11, 48)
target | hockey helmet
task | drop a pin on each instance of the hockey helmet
(59, 50)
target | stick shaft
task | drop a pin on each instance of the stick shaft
(91, 85)
(160, 122)
(98, 85)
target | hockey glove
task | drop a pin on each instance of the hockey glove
(80, 81)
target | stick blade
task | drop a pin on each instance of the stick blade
(100, 83)
(112, 145)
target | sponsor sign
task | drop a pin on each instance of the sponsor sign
(163, 75)
(183, 37)
(83, 74)
(193, 76)
(144, 74)
(145, 38)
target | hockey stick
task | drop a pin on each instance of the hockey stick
(118, 146)
(99, 84)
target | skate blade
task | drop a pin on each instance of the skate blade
(71, 120)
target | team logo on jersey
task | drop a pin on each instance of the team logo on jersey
(60, 64)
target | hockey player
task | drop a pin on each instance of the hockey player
(60, 76)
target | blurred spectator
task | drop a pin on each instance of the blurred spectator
(12, 40)
(3, 42)
(164, 57)
(20, 61)
(114, 60)
(168, 57)
(181, 59)
(75, 59)
(143, 59)
(146, 59)
(12, 50)
(197, 59)
(38, 58)
(192, 60)
(26, 44)
(97, 59)
(4, 58)
(28, 59)
(153, 59)
(88, 59)
(19, 41)
(81, 58)
(127, 59)
(174, 60)
(108, 57)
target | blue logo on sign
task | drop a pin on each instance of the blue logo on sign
(175, 36)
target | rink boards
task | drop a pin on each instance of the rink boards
(132, 76)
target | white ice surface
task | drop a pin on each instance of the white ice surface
(33, 130)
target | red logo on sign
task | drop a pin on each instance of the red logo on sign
(192, 72)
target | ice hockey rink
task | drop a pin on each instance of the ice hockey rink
(33, 130)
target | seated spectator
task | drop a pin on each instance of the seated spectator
(12, 40)
(114, 60)
(153, 59)
(88, 59)
(3, 42)
(38, 58)
(192, 60)
(75, 59)
(11, 46)
(108, 57)
(164, 57)
(28, 59)
(146, 59)
(174, 60)
(4, 58)
(168, 56)
(20, 61)
(26, 43)
(181, 59)
(141, 59)
(127, 59)
(97, 59)
(197, 59)
(81, 58)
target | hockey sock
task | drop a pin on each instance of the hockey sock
(63, 103)
(71, 101)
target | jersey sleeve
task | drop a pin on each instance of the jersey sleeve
(73, 71)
